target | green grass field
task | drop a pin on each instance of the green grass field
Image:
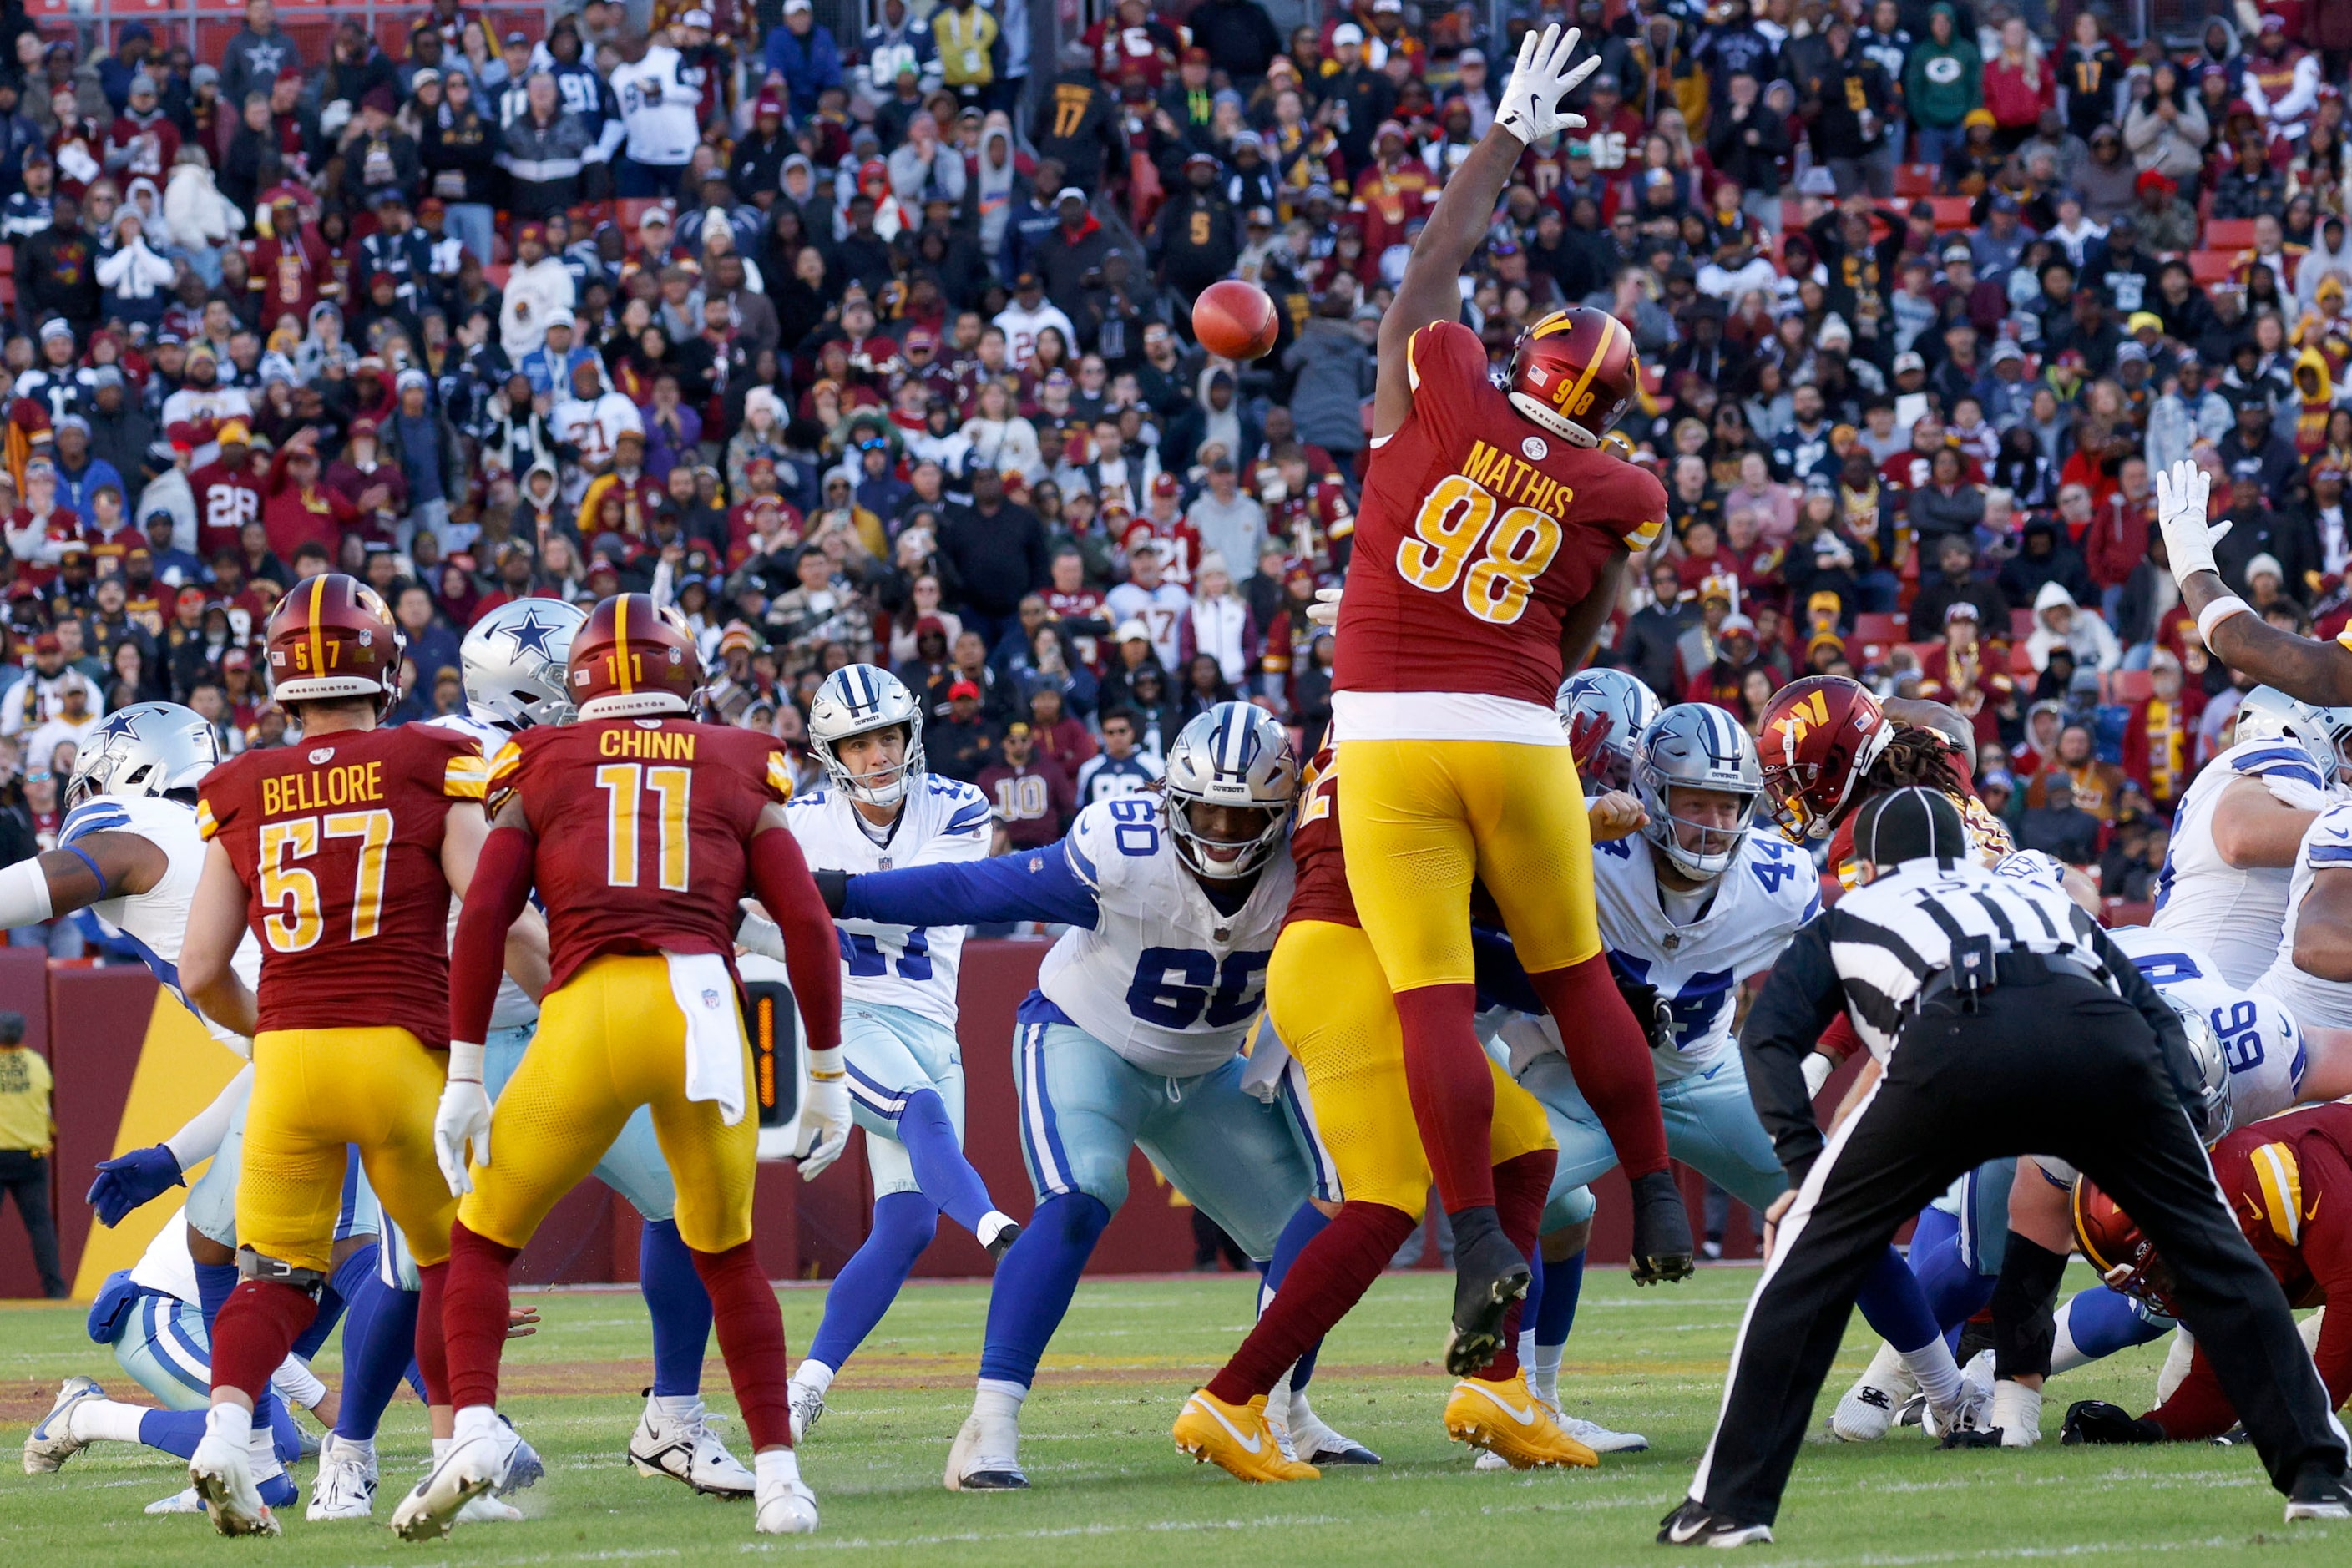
(1111, 1488)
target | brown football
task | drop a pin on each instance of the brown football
(1234, 320)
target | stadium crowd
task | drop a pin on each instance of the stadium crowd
(877, 349)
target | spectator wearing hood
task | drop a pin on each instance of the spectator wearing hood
(2059, 622)
(2044, 555)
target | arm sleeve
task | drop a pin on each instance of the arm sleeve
(1040, 885)
(478, 953)
(780, 876)
(2198, 1408)
(1799, 1002)
(200, 1137)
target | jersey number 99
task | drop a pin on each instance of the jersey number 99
(1458, 520)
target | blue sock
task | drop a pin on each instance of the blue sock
(179, 1432)
(904, 1224)
(215, 1283)
(1304, 1227)
(1034, 1282)
(946, 1177)
(379, 1342)
(1555, 1309)
(284, 1437)
(1894, 1303)
(1956, 1291)
(681, 1309)
(2102, 1321)
(342, 1286)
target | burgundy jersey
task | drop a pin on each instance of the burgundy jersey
(338, 841)
(644, 830)
(1321, 893)
(1478, 532)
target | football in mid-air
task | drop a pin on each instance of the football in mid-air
(1234, 320)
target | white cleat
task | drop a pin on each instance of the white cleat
(51, 1441)
(685, 1448)
(489, 1510)
(471, 1469)
(1601, 1439)
(807, 1407)
(985, 1461)
(1313, 1442)
(222, 1474)
(1868, 1411)
(786, 1506)
(182, 1501)
(344, 1488)
(525, 1469)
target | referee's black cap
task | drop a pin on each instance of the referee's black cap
(1913, 823)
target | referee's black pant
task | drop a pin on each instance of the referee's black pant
(2058, 1066)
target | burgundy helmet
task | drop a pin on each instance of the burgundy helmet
(2114, 1244)
(1574, 372)
(332, 636)
(631, 659)
(1818, 736)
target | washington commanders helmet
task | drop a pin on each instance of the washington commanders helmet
(2113, 1243)
(332, 636)
(1574, 372)
(633, 659)
(1818, 736)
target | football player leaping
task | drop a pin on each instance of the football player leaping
(641, 830)
(899, 1001)
(1132, 1037)
(1492, 537)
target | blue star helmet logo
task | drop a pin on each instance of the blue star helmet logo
(532, 634)
(122, 726)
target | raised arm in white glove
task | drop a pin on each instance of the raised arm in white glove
(1530, 108)
(2189, 539)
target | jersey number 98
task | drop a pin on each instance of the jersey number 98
(1458, 520)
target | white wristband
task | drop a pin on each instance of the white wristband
(465, 1062)
(2220, 610)
(24, 894)
(825, 1066)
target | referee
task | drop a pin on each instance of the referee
(2007, 1024)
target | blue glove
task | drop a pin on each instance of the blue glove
(128, 1181)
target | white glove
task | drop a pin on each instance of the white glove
(463, 1118)
(1818, 1069)
(759, 934)
(1325, 611)
(2189, 539)
(1531, 107)
(825, 1120)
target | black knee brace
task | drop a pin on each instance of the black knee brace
(251, 1264)
(2025, 1309)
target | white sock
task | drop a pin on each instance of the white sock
(2017, 1411)
(476, 1421)
(676, 1406)
(104, 1421)
(233, 1424)
(1542, 1363)
(1301, 1412)
(1938, 1374)
(362, 1450)
(814, 1374)
(992, 1226)
(995, 1399)
(776, 1467)
(2065, 1355)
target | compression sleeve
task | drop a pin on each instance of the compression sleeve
(478, 953)
(779, 877)
(1799, 1001)
(200, 1137)
(24, 894)
(1031, 885)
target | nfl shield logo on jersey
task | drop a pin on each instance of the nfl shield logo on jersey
(1536, 449)
(709, 997)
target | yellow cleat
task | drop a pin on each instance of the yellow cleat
(1508, 1421)
(1238, 1439)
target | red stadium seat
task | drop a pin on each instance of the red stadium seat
(2126, 912)
(1915, 180)
(1920, 650)
(633, 209)
(2211, 267)
(2130, 686)
(496, 275)
(1951, 212)
(2020, 662)
(1872, 626)
(2230, 234)
(2021, 625)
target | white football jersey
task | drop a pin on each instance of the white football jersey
(914, 967)
(2259, 1039)
(1162, 979)
(514, 1008)
(2235, 915)
(155, 921)
(1697, 968)
(166, 1265)
(2328, 842)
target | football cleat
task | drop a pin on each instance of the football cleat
(1968, 1422)
(1237, 1439)
(222, 1474)
(51, 1441)
(984, 1461)
(807, 1407)
(184, 1500)
(472, 1468)
(525, 1470)
(1490, 1274)
(2317, 1495)
(1313, 1442)
(785, 1505)
(1662, 1250)
(1695, 1524)
(1867, 1411)
(488, 1509)
(1599, 1439)
(1506, 1418)
(345, 1485)
(684, 1448)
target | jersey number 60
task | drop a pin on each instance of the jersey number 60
(1456, 519)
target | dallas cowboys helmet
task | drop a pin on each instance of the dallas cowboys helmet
(1235, 755)
(2266, 713)
(2213, 1112)
(1697, 745)
(146, 748)
(1625, 702)
(514, 660)
(857, 699)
